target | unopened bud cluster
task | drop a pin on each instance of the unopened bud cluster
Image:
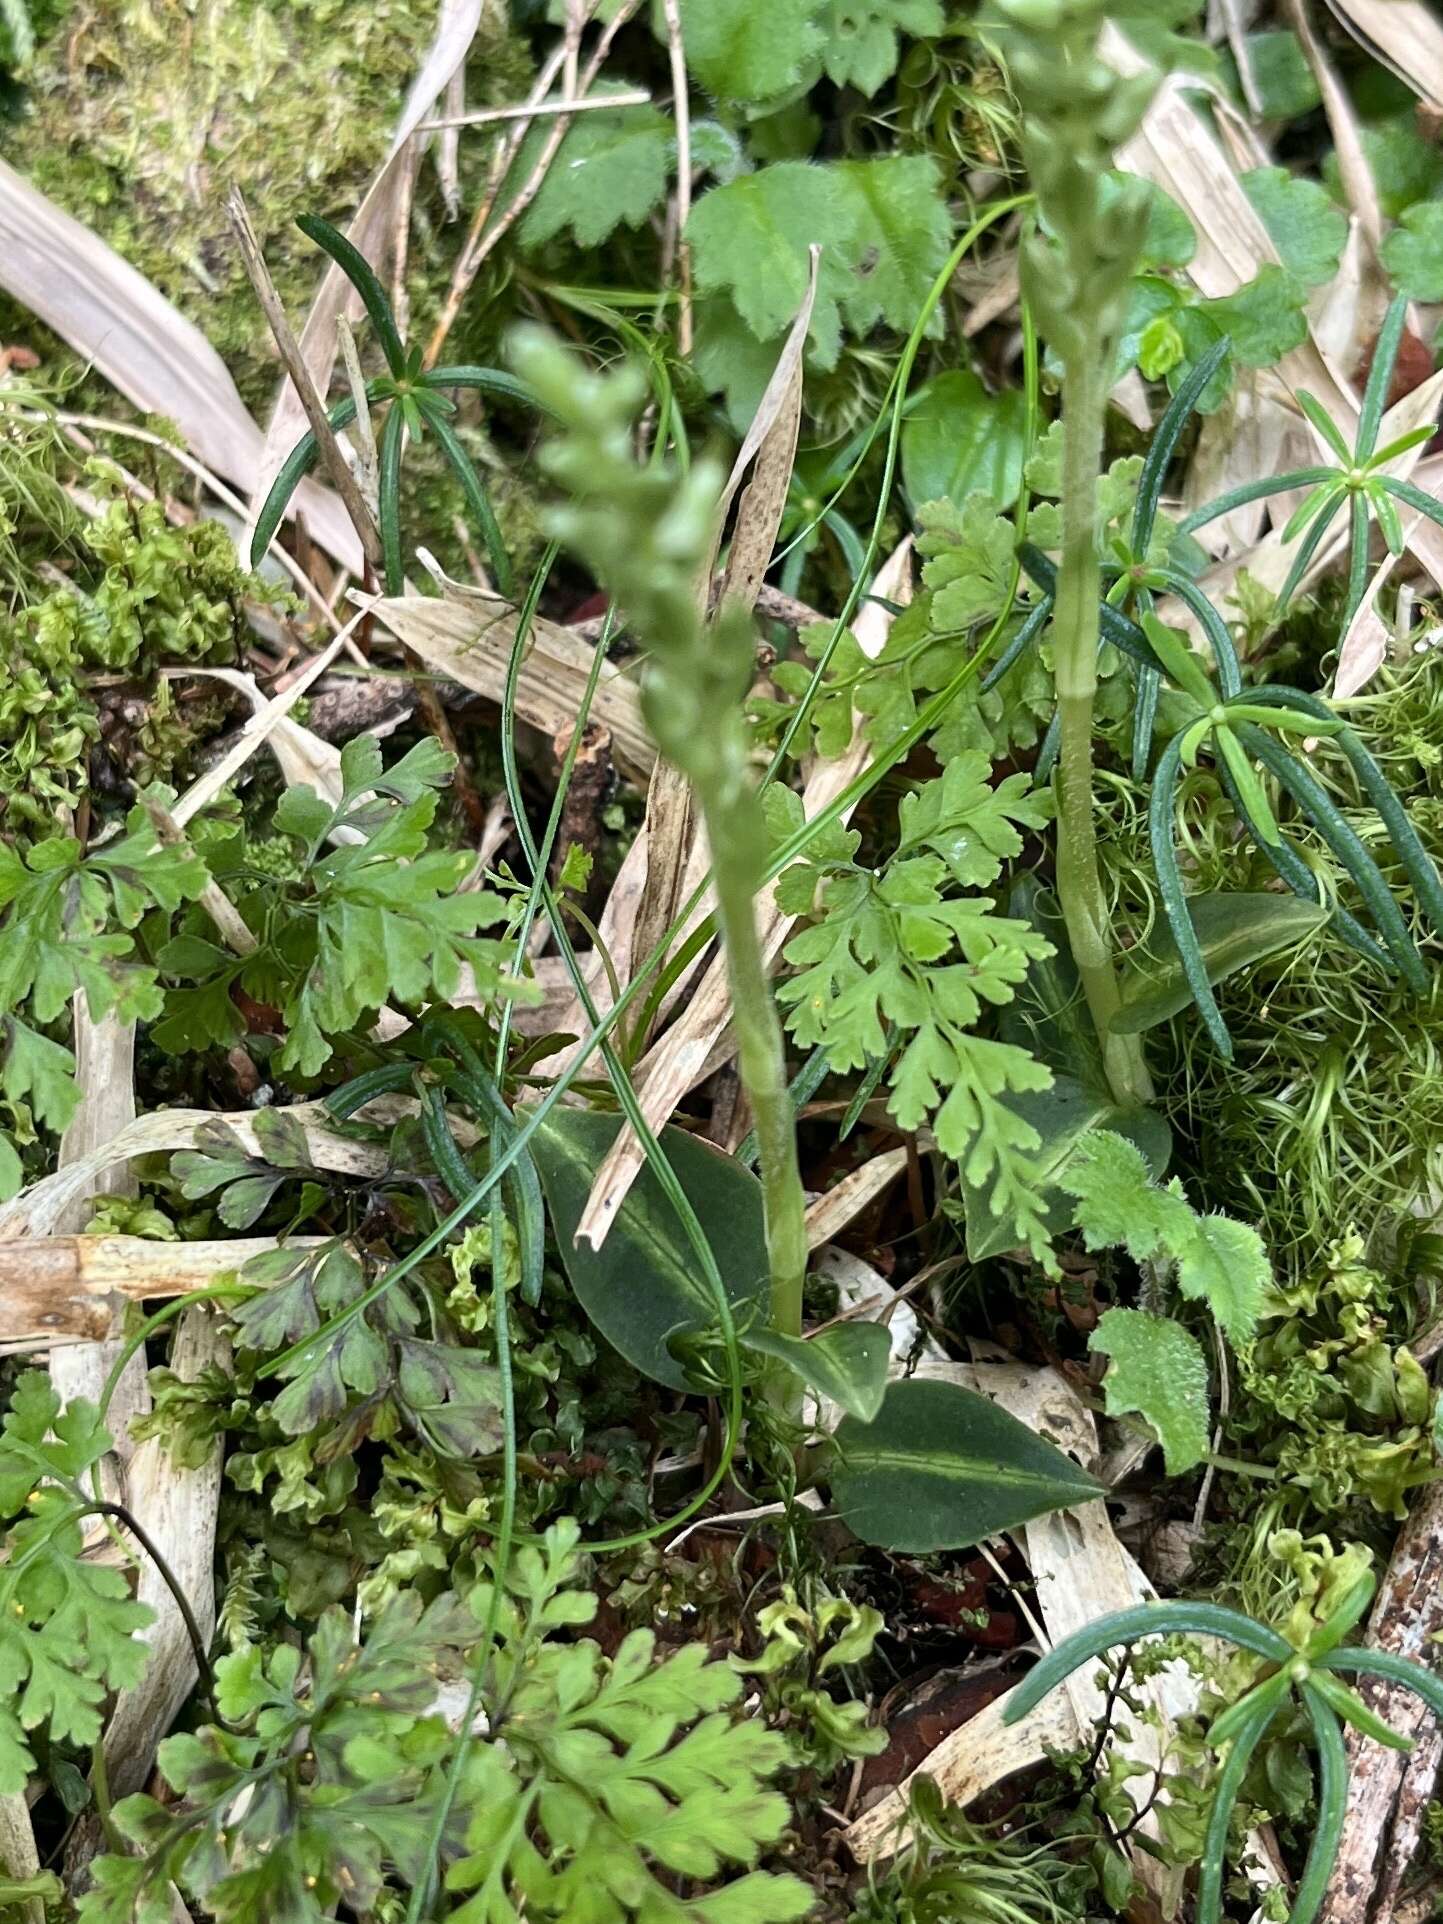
(1076, 111)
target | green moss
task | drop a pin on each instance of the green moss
(142, 117)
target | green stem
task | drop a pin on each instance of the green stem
(761, 1057)
(1075, 640)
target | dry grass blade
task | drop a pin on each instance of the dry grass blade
(455, 30)
(685, 1053)
(1406, 35)
(829, 1214)
(468, 637)
(142, 345)
(681, 114)
(303, 757)
(41, 1209)
(970, 1760)
(1359, 188)
(770, 450)
(105, 1074)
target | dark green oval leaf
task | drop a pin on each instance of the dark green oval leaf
(1233, 931)
(643, 1285)
(848, 1364)
(942, 1467)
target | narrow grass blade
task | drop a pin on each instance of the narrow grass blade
(296, 466)
(484, 380)
(1115, 626)
(1047, 754)
(1290, 867)
(522, 1184)
(1328, 1817)
(478, 501)
(1380, 377)
(1225, 655)
(1129, 1626)
(1144, 720)
(1019, 644)
(359, 272)
(1388, 520)
(1255, 796)
(1163, 445)
(847, 539)
(1291, 720)
(1183, 668)
(1422, 872)
(1416, 1677)
(1253, 491)
(1338, 833)
(1358, 555)
(1311, 504)
(1174, 896)
(1412, 496)
(1414, 438)
(1326, 426)
(1349, 1706)
(1225, 1797)
(1267, 1695)
(1309, 548)
(389, 491)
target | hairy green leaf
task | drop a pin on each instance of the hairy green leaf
(1305, 224)
(750, 238)
(1218, 1261)
(749, 51)
(612, 168)
(1157, 1369)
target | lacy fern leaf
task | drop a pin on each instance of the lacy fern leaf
(893, 969)
(612, 1777)
(67, 1626)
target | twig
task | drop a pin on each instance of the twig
(370, 481)
(482, 239)
(336, 465)
(229, 922)
(490, 116)
(681, 111)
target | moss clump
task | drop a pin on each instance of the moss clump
(147, 595)
(141, 118)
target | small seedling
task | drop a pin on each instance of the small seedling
(1309, 1673)
(419, 401)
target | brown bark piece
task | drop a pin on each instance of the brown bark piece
(1389, 1790)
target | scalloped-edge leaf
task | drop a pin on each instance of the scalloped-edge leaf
(942, 1467)
(1234, 931)
(644, 1284)
(847, 1364)
(1156, 1370)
